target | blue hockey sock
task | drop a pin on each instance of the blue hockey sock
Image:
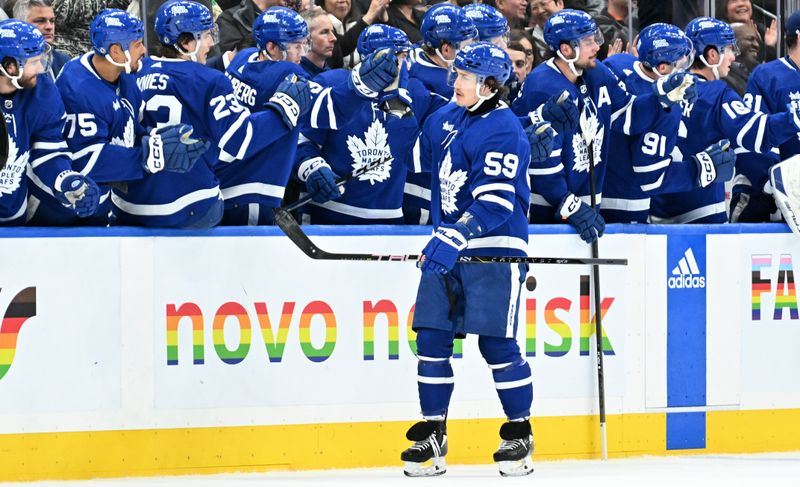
(434, 372)
(511, 373)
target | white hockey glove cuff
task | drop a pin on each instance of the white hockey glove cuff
(309, 166)
(154, 161)
(76, 186)
(290, 108)
(570, 205)
(706, 171)
(452, 237)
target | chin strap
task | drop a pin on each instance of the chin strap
(481, 98)
(439, 55)
(192, 55)
(14, 79)
(714, 67)
(126, 65)
(571, 62)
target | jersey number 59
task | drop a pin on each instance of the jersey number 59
(497, 162)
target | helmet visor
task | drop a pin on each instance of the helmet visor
(299, 48)
(590, 40)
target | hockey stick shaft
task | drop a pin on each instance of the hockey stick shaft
(354, 174)
(292, 229)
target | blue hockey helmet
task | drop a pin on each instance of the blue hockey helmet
(570, 26)
(380, 36)
(179, 17)
(20, 41)
(446, 23)
(279, 25)
(490, 23)
(664, 43)
(485, 60)
(114, 26)
(705, 32)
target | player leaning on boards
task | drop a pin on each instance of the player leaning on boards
(34, 115)
(561, 184)
(103, 131)
(642, 165)
(718, 113)
(478, 155)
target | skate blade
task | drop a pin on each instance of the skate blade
(437, 467)
(516, 468)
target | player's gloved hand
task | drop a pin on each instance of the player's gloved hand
(292, 99)
(395, 99)
(561, 111)
(674, 88)
(586, 220)
(441, 253)
(172, 148)
(374, 74)
(78, 192)
(320, 180)
(715, 163)
(540, 136)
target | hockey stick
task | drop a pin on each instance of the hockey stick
(589, 125)
(292, 229)
(358, 172)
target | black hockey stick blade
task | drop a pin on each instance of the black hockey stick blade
(291, 228)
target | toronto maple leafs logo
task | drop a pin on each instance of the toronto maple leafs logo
(590, 129)
(450, 183)
(128, 136)
(373, 147)
(11, 175)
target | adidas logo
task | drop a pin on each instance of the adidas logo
(686, 275)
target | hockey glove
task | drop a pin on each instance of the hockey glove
(395, 99)
(561, 112)
(320, 180)
(374, 74)
(78, 192)
(171, 148)
(586, 220)
(674, 88)
(441, 253)
(540, 136)
(716, 163)
(292, 99)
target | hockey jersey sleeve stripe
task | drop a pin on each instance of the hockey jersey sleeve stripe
(626, 204)
(556, 153)
(498, 242)
(226, 156)
(253, 188)
(652, 186)
(41, 160)
(94, 150)
(762, 126)
(418, 191)
(653, 167)
(38, 182)
(490, 198)
(627, 111)
(742, 133)
(492, 187)
(366, 213)
(323, 98)
(49, 145)
(166, 208)
(547, 170)
(415, 157)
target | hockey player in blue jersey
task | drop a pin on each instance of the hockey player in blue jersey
(478, 154)
(642, 165)
(103, 132)
(178, 88)
(773, 87)
(34, 117)
(382, 125)
(719, 113)
(560, 184)
(620, 64)
(491, 24)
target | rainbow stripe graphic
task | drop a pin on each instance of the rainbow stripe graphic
(174, 316)
(588, 324)
(558, 326)
(315, 308)
(371, 312)
(275, 345)
(231, 309)
(458, 343)
(530, 327)
(22, 307)
(785, 295)
(758, 286)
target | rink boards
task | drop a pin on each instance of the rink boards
(130, 352)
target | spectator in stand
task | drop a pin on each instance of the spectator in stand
(524, 39)
(404, 15)
(236, 23)
(348, 23)
(323, 41)
(515, 11)
(40, 14)
(541, 10)
(733, 11)
(746, 61)
(613, 23)
(519, 64)
(73, 18)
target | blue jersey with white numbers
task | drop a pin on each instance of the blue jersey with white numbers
(176, 91)
(35, 121)
(621, 64)
(567, 169)
(479, 160)
(719, 113)
(254, 81)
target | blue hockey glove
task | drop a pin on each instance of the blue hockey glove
(395, 99)
(374, 74)
(171, 148)
(320, 180)
(78, 192)
(674, 88)
(716, 163)
(540, 136)
(561, 111)
(441, 253)
(292, 99)
(586, 220)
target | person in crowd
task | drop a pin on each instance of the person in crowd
(40, 13)
(515, 11)
(406, 16)
(73, 18)
(348, 22)
(741, 11)
(524, 39)
(519, 64)
(541, 10)
(236, 23)
(746, 61)
(323, 41)
(613, 23)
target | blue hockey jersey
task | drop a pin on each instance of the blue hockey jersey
(719, 113)
(35, 120)
(601, 103)
(433, 76)
(479, 160)
(620, 64)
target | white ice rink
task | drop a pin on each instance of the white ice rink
(758, 470)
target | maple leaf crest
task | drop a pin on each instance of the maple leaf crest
(373, 147)
(11, 175)
(580, 153)
(127, 136)
(450, 182)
